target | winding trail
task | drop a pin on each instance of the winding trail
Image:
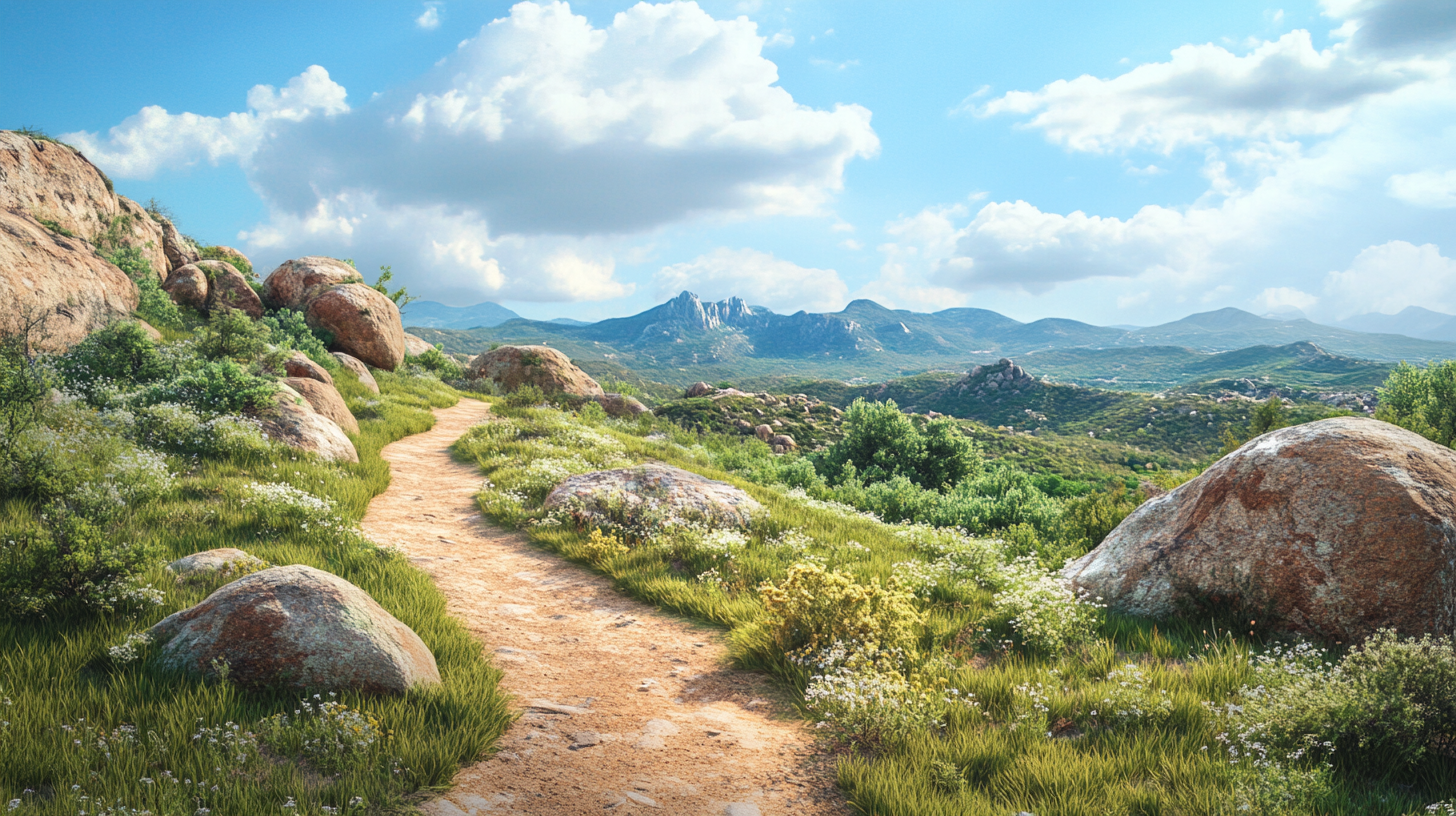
(625, 709)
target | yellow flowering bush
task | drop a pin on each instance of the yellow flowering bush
(601, 547)
(815, 608)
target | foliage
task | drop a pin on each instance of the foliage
(214, 388)
(232, 335)
(213, 253)
(119, 356)
(400, 297)
(68, 557)
(1268, 415)
(153, 304)
(289, 329)
(881, 443)
(1045, 613)
(1421, 400)
(437, 363)
(525, 397)
(814, 608)
(329, 734)
(24, 384)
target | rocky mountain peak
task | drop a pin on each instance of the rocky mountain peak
(689, 309)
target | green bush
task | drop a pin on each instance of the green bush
(1421, 400)
(179, 429)
(525, 397)
(24, 384)
(215, 388)
(153, 304)
(69, 558)
(881, 443)
(120, 356)
(288, 328)
(435, 361)
(232, 335)
(813, 609)
(212, 253)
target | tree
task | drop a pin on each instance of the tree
(400, 297)
(1421, 400)
(881, 443)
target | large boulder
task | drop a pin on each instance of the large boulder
(542, 366)
(232, 257)
(621, 405)
(292, 421)
(415, 346)
(60, 279)
(1335, 528)
(228, 289)
(136, 228)
(326, 400)
(296, 627)
(358, 369)
(661, 488)
(299, 364)
(364, 323)
(187, 286)
(179, 251)
(295, 282)
(699, 389)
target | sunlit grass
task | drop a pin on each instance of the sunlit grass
(56, 676)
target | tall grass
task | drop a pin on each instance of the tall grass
(91, 734)
(1123, 722)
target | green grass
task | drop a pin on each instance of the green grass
(996, 759)
(62, 688)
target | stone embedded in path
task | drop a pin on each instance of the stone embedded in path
(208, 563)
(661, 488)
(1334, 528)
(298, 627)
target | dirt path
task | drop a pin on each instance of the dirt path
(625, 710)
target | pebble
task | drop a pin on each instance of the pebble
(742, 809)
(641, 800)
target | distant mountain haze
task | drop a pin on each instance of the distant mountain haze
(688, 338)
(429, 314)
(1412, 321)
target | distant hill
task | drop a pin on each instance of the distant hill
(429, 314)
(1155, 368)
(1412, 321)
(688, 339)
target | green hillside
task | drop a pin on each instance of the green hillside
(1155, 368)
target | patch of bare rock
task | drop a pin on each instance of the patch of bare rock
(1334, 528)
(660, 488)
(297, 627)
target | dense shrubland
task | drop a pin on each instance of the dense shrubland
(123, 454)
(919, 616)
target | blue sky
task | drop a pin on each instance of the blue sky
(1122, 163)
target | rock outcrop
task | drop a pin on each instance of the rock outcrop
(296, 424)
(187, 286)
(1334, 528)
(232, 257)
(228, 289)
(294, 282)
(297, 627)
(660, 488)
(44, 274)
(179, 251)
(214, 563)
(364, 323)
(415, 346)
(699, 389)
(299, 365)
(542, 366)
(620, 405)
(358, 369)
(326, 400)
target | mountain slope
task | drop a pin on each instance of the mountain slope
(1412, 321)
(429, 314)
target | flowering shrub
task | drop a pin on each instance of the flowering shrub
(1130, 701)
(179, 429)
(285, 507)
(131, 649)
(330, 735)
(1042, 608)
(865, 698)
(813, 608)
(69, 558)
(601, 547)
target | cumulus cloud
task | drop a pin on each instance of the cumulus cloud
(154, 139)
(1401, 26)
(1280, 89)
(757, 277)
(541, 132)
(429, 19)
(1283, 299)
(1388, 277)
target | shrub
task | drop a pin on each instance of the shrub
(23, 388)
(1042, 609)
(332, 736)
(212, 253)
(232, 335)
(153, 304)
(179, 429)
(525, 397)
(601, 547)
(814, 609)
(289, 329)
(864, 704)
(435, 361)
(68, 558)
(120, 355)
(882, 443)
(217, 387)
(1421, 400)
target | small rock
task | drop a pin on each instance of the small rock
(741, 809)
(585, 739)
(326, 400)
(542, 366)
(296, 424)
(640, 799)
(357, 367)
(764, 432)
(299, 365)
(208, 563)
(228, 289)
(674, 490)
(187, 286)
(415, 346)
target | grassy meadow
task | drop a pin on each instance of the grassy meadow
(88, 726)
(950, 671)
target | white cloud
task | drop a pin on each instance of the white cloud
(851, 244)
(1391, 276)
(757, 277)
(429, 20)
(1282, 89)
(1284, 298)
(542, 131)
(784, 38)
(1425, 188)
(154, 139)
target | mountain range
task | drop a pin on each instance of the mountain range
(688, 339)
(1412, 321)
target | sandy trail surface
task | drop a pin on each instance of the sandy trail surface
(623, 709)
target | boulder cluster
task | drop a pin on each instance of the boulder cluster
(783, 421)
(990, 381)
